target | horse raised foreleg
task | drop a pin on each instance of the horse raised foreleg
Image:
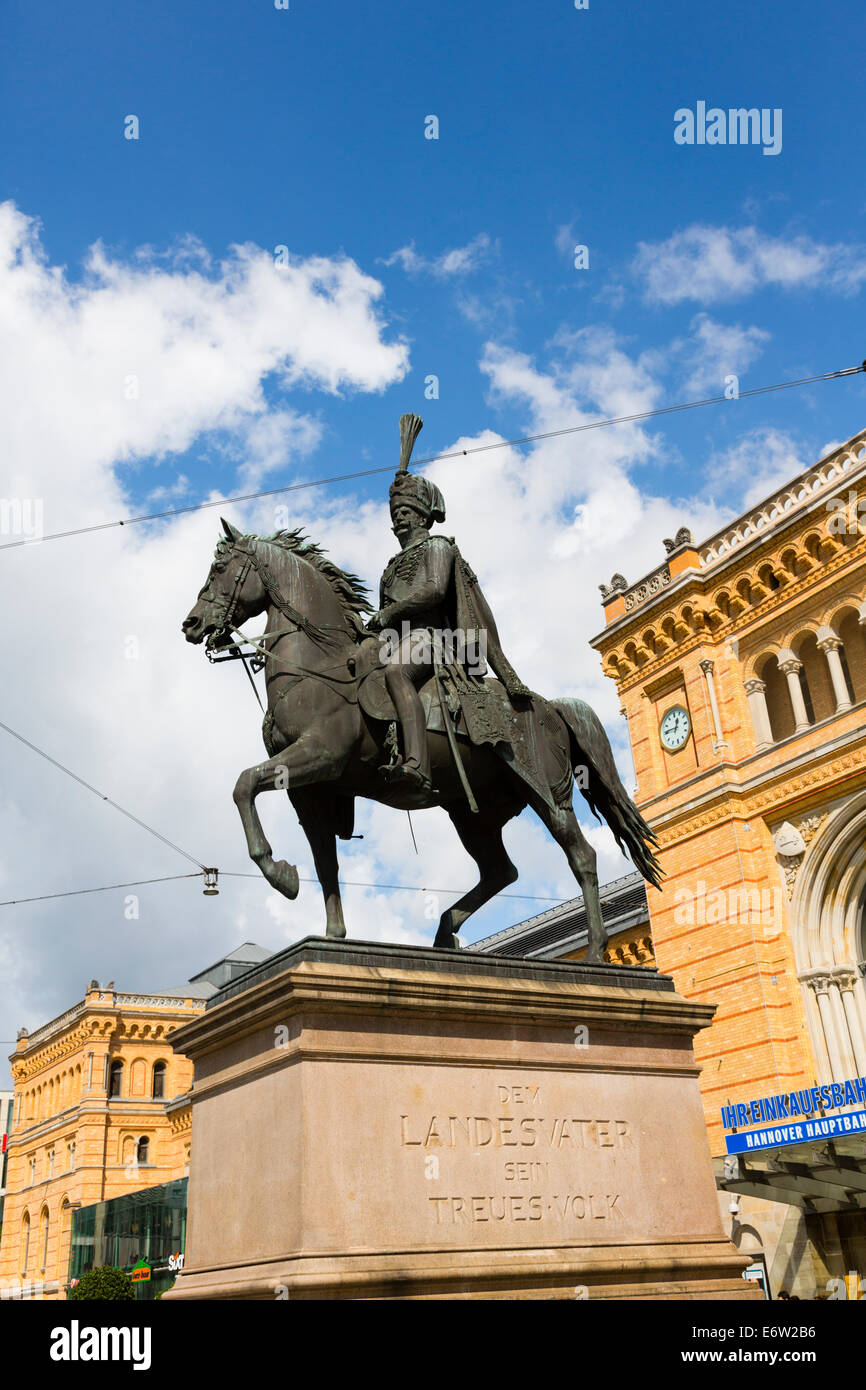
(483, 840)
(304, 762)
(580, 854)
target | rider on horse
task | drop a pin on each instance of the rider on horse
(428, 589)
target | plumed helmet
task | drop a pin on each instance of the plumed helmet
(419, 493)
(410, 488)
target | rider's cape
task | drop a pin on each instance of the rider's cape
(473, 615)
(503, 712)
(488, 719)
(508, 716)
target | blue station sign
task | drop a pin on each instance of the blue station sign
(796, 1117)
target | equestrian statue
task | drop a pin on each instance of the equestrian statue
(398, 706)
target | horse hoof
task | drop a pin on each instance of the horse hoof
(285, 879)
(446, 941)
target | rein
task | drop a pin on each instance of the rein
(320, 635)
(315, 633)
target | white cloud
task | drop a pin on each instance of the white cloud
(764, 459)
(710, 264)
(714, 351)
(172, 491)
(165, 734)
(147, 722)
(564, 239)
(461, 260)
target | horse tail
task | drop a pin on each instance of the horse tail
(605, 793)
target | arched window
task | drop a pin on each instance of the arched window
(854, 654)
(778, 699)
(25, 1241)
(115, 1078)
(143, 1149)
(159, 1080)
(768, 578)
(43, 1238)
(65, 1233)
(815, 680)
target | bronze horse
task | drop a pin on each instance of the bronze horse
(325, 750)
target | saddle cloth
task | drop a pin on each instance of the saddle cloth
(514, 734)
(375, 701)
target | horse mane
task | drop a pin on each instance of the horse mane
(349, 589)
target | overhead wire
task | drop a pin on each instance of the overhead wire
(432, 458)
(96, 792)
(322, 482)
(75, 892)
(344, 882)
(104, 888)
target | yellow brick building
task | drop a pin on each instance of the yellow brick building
(100, 1111)
(741, 667)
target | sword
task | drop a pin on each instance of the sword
(452, 737)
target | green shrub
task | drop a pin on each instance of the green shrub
(104, 1283)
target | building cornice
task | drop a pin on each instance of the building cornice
(110, 1017)
(746, 535)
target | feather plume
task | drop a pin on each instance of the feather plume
(410, 428)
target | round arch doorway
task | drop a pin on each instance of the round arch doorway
(828, 935)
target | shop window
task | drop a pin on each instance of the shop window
(159, 1081)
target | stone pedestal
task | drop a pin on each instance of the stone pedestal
(373, 1121)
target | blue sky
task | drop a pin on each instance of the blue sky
(305, 128)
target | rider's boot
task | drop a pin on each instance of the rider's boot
(414, 771)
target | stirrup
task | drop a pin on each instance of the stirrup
(409, 775)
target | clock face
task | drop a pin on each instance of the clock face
(674, 728)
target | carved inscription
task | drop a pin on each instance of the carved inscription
(580, 1206)
(503, 1131)
(519, 1143)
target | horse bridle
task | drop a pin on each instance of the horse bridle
(226, 623)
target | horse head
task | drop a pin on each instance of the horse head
(286, 570)
(232, 592)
